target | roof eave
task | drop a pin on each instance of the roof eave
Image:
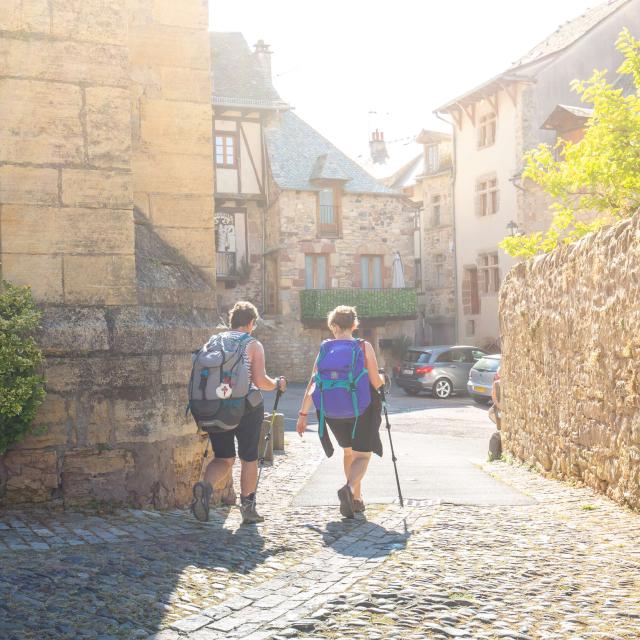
(484, 90)
(241, 103)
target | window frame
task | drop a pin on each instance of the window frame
(370, 257)
(436, 205)
(487, 192)
(487, 123)
(433, 157)
(489, 273)
(314, 257)
(224, 135)
(333, 230)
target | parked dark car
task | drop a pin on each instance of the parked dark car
(481, 378)
(441, 370)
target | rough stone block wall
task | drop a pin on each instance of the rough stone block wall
(103, 103)
(570, 325)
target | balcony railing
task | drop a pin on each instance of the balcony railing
(371, 303)
(225, 264)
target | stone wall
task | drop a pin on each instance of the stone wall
(103, 103)
(438, 249)
(570, 326)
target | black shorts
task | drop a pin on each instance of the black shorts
(366, 433)
(247, 433)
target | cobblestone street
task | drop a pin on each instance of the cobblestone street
(566, 564)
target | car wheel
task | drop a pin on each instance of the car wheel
(442, 389)
(411, 392)
(481, 400)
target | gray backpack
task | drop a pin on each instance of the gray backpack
(220, 388)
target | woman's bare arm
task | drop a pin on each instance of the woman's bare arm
(371, 362)
(259, 376)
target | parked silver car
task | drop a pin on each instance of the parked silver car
(481, 378)
(441, 370)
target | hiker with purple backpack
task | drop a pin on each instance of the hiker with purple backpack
(344, 388)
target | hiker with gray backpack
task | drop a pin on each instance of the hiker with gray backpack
(344, 387)
(225, 400)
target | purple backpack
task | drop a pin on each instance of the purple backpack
(341, 382)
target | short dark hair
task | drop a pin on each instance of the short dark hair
(343, 317)
(242, 314)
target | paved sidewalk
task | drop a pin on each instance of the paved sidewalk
(567, 565)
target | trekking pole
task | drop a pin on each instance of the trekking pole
(393, 453)
(267, 437)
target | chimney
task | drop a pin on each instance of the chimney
(263, 53)
(378, 147)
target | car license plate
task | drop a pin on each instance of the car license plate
(407, 372)
(480, 389)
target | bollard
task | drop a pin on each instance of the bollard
(278, 432)
(267, 452)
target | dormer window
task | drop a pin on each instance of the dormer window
(487, 130)
(433, 158)
(329, 212)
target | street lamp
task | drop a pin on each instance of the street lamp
(513, 229)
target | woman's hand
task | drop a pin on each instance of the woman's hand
(281, 384)
(301, 425)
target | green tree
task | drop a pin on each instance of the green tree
(595, 181)
(21, 386)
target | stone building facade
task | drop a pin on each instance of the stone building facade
(106, 211)
(335, 234)
(493, 126)
(314, 218)
(437, 299)
(570, 325)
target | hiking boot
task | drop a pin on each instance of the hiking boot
(248, 510)
(358, 506)
(202, 492)
(346, 501)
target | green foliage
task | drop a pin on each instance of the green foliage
(595, 181)
(21, 387)
(370, 303)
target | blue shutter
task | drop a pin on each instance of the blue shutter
(308, 262)
(322, 272)
(364, 271)
(377, 272)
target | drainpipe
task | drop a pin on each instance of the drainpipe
(453, 218)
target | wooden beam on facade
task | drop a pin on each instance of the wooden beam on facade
(493, 101)
(253, 164)
(470, 110)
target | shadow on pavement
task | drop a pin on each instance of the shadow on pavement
(123, 590)
(374, 542)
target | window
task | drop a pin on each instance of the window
(271, 285)
(226, 152)
(231, 241)
(417, 270)
(417, 357)
(433, 159)
(435, 211)
(453, 355)
(489, 273)
(328, 213)
(487, 196)
(439, 270)
(316, 271)
(371, 272)
(470, 293)
(470, 328)
(487, 130)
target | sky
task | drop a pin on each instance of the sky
(350, 66)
